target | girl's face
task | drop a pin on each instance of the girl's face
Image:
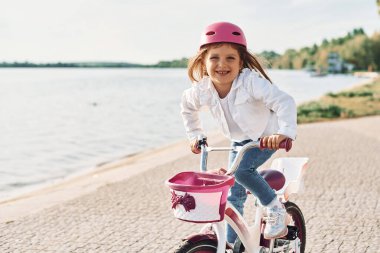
(223, 65)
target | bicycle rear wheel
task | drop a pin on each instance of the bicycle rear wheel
(203, 246)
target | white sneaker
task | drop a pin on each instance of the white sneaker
(276, 222)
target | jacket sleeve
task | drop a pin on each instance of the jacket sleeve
(282, 104)
(190, 108)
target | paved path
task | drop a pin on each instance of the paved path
(340, 203)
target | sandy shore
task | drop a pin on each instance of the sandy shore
(369, 77)
(125, 207)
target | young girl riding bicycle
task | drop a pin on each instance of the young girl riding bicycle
(230, 82)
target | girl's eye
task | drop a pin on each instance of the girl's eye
(213, 57)
(231, 58)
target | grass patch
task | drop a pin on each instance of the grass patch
(351, 94)
(357, 102)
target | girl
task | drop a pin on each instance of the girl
(231, 83)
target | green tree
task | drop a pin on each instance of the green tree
(302, 58)
(325, 43)
(269, 56)
(358, 31)
(286, 61)
(320, 58)
(376, 50)
(358, 51)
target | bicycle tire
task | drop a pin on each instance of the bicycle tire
(203, 246)
(298, 220)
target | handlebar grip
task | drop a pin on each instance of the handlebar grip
(285, 144)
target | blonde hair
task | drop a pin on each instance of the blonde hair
(196, 69)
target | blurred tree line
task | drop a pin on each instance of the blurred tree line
(355, 48)
(182, 63)
(27, 64)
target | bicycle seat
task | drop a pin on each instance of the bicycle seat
(274, 178)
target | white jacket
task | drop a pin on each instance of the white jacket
(257, 106)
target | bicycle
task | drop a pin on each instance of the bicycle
(201, 197)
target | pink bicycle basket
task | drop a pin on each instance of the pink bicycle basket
(199, 197)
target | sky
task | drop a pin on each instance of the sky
(147, 31)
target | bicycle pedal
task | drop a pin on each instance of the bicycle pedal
(292, 233)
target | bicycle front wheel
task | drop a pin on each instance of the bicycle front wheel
(298, 221)
(203, 246)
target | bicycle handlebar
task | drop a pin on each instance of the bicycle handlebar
(285, 144)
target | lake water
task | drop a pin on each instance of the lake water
(58, 122)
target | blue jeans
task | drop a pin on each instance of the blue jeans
(247, 177)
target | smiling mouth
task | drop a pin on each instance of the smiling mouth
(222, 72)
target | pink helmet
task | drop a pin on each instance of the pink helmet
(223, 32)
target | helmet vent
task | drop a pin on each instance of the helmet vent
(210, 33)
(236, 33)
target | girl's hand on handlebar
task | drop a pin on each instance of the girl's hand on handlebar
(273, 141)
(195, 147)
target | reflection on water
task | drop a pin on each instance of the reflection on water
(55, 122)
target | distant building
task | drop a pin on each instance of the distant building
(337, 65)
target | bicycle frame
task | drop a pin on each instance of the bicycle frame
(250, 236)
